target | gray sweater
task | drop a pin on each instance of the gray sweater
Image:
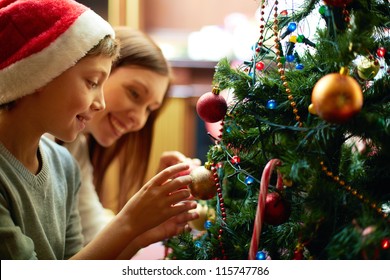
(38, 213)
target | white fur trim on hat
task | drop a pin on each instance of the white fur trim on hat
(33, 72)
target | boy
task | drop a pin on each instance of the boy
(55, 56)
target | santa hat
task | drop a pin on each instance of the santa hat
(40, 39)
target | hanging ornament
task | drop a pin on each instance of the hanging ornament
(198, 224)
(337, 3)
(381, 52)
(337, 97)
(368, 68)
(211, 106)
(205, 214)
(203, 184)
(311, 109)
(385, 244)
(277, 210)
(298, 254)
(259, 218)
(192, 165)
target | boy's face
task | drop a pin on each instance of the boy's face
(74, 97)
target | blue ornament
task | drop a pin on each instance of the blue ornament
(271, 104)
(228, 129)
(198, 244)
(260, 255)
(290, 58)
(249, 180)
(299, 66)
(292, 26)
(208, 224)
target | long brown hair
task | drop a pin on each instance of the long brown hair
(132, 149)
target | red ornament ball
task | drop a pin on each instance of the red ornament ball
(385, 244)
(276, 210)
(337, 97)
(298, 254)
(381, 52)
(211, 106)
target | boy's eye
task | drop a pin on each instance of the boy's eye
(92, 84)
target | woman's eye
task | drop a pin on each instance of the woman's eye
(134, 94)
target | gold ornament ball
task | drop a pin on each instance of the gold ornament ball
(203, 185)
(337, 97)
(198, 224)
(205, 214)
(312, 110)
(367, 69)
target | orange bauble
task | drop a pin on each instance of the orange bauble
(337, 97)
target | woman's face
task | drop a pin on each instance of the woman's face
(131, 93)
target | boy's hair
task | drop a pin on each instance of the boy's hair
(39, 40)
(108, 46)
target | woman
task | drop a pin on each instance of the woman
(135, 93)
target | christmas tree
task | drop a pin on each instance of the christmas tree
(301, 167)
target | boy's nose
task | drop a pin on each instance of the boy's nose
(98, 104)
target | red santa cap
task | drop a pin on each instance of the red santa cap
(40, 39)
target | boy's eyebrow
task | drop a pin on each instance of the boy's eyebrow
(102, 72)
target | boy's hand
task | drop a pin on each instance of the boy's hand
(159, 200)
